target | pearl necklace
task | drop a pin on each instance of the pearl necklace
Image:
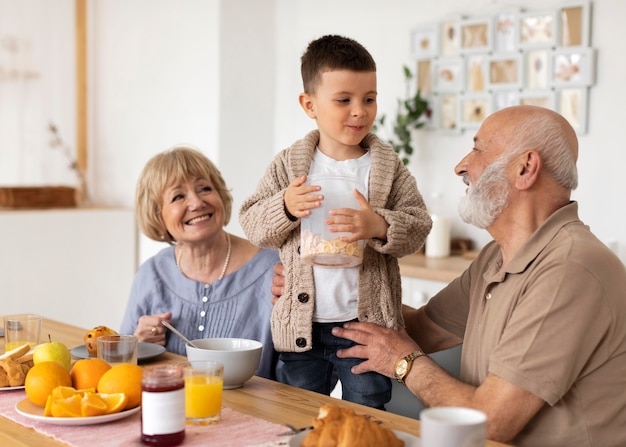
(226, 261)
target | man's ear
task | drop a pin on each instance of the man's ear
(306, 102)
(527, 169)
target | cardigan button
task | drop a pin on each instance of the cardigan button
(301, 342)
(303, 298)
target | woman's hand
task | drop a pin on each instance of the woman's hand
(278, 282)
(150, 330)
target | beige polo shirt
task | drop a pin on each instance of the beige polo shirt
(553, 323)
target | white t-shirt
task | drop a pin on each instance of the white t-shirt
(336, 289)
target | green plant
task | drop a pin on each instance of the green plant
(411, 115)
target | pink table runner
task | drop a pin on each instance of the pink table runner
(234, 430)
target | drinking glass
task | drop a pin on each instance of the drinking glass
(21, 329)
(116, 349)
(204, 381)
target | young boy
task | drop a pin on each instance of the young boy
(339, 77)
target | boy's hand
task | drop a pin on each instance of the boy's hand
(363, 223)
(298, 201)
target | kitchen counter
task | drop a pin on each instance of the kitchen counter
(433, 269)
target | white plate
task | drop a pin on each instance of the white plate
(11, 388)
(28, 409)
(145, 351)
(409, 440)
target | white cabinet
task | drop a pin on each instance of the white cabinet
(75, 265)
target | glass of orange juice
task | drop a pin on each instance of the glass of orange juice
(204, 381)
(21, 329)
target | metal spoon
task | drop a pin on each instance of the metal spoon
(174, 330)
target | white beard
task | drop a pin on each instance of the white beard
(486, 200)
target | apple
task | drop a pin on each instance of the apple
(53, 351)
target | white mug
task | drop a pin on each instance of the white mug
(453, 427)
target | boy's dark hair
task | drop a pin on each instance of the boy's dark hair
(332, 52)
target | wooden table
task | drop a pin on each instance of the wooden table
(261, 398)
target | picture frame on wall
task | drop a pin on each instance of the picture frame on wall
(424, 72)
(574, 24)
(537, 70)
(572, 67)
(537, 29)
(539, 98)
(449, 74)
(476, 70)
(450, 37)
(505, 71)
(475, 35)
(446, 113)
(474, 108)
(504, 98)
(505, 34)
(572, 104)
(424, 42)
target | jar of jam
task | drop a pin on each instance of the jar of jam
(162, 406)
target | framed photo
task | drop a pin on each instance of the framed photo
(505, 71)
(476, 35)
(539, 98)
(537, 70)
(505, 25)
(574, 24)
(449, 75)
(477, 75)
(424, 42)
(504, 98)
(573, 67)
(446, 113)
(572, 104)
(474, 109)
(425, 76)
(450, 38)
(537, 29)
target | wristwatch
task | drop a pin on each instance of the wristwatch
(403, 366)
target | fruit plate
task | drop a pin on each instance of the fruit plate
(11, 388)
(145, 351)
(28, 409)
(409, 440)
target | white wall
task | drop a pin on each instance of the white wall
(224, 76)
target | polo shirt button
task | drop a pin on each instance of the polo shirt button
(488, 296)
(301, 342)
(303, 297)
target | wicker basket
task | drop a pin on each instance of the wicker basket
(37, 197)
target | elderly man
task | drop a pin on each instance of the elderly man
(541, 312)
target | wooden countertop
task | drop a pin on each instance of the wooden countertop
(433, 269)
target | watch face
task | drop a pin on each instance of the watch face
(401, 367)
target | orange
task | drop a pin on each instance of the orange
(123, 378)
(115, 402)
(92, 405)
(86, 373)
(66, 408)
(42, 379)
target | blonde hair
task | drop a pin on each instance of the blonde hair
(173, 166)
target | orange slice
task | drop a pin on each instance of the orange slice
(47, 411)
(69, 407)
(115, 402)
(92, 405)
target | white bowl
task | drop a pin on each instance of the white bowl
(240, 357)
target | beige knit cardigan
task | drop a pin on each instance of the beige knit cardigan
(393, 194)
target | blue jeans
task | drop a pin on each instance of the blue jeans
(317, 369)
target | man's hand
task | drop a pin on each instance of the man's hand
(380, 346)
(298, 198)
(363, 223)
(278, 282)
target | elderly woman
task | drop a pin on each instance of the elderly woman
(207, 282)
